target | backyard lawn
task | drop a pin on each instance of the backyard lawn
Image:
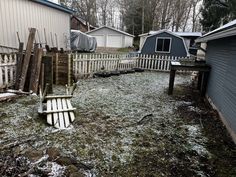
(125, 126)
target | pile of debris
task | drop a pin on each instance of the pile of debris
(37, 67)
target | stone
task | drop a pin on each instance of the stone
(53, 153)
(34, 155)
(71, 169)
(77, 174)
(66, 161)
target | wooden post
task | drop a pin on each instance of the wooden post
(6, 70)
(27, 58)
(42, 83)
(69, 70)
(35, 78)
(1, 72)
(33, 66)
(204, 83)
(199, 80)
(56, 69)
(171, 82)
(48, 72)
(19, 65)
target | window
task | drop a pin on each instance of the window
(163, 45)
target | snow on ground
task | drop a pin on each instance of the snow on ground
(122, 122)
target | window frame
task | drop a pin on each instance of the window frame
(164, 39)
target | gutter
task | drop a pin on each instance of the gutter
(54, 6)
(219, 35)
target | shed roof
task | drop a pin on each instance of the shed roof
(54, 6)
(122, 32)
(193, 34)
(226, 30)
(152, 33)
(182, 34)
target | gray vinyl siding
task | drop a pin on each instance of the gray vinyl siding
(221, 55)
(20, 15)
(177, 45)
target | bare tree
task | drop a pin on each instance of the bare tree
(195, 14)
(140, 16)
(86, 9)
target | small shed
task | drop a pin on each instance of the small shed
(51, 20)
(112, 38)
(166, 43)
(221, 55)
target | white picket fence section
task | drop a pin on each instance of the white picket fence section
(156, 63)
(7, 70)
(87, 64)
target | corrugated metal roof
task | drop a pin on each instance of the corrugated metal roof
(226, 26)
(194, 34)
(53, 5)
(182, 34)
(226, 30)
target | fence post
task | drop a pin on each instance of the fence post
(88, 64)
(6, 70)
(1, 74)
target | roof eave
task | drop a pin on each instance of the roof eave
(144, 34)
(53, 5)
(122, 32)
(219, 35)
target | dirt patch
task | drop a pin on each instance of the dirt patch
(125, 126)
(219, 143)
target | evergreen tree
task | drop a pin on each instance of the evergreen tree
(232, 9)
(214, 14)
(217, 12)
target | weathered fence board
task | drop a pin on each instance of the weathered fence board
(7, 70)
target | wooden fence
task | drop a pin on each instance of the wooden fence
(7, 70)
(87, 64)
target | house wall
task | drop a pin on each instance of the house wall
(129, 41)
(177, 46)
(201, 53)
(20, 15)
(221, 55)
(110, 38)
(141, 41)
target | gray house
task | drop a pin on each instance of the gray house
(165, 43)
(221, 55)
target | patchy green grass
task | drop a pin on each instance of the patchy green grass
(128, 126)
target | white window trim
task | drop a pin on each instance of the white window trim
(169, 46)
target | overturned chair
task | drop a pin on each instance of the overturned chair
(57, 108)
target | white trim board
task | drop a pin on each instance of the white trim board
(218, 35)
